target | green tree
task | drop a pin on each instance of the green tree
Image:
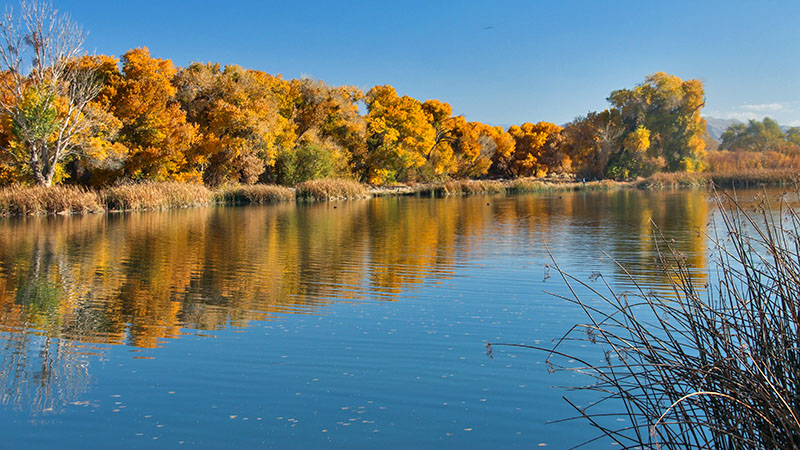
(756, 136)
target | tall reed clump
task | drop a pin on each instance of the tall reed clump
(524, 185)
(663, 180)
(156, 195)
(330, 189)
(30, 200)
(256, 193)
(729, 179)
(470, 187)
(713, 366)
(755, 178)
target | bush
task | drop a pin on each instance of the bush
(303, 163)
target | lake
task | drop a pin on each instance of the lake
(357, 324)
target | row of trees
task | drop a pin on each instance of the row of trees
(760, 136)
(96, 120)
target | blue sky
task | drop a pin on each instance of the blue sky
(493, 61)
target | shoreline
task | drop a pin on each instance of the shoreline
(149, 196)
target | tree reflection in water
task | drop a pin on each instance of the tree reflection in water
(71, 286)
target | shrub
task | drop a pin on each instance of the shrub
(303, 163)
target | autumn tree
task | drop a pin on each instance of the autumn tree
(399, 137)
(43, 97)
(103, 158)
(669, 108)
(328, 125)
(591, 141)
(154, 128)
(466, 149)
(537, 151)
(242, 120)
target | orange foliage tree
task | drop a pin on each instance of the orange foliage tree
(537, 151)
(240, 121)
(154, 128)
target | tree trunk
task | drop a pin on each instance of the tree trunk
(42, 176)
(49, 174)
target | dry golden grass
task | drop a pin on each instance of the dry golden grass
(756, 178)
(468, 187)
(156, 195)
(29, 200)
(739, 179)
(536, 185)
(256, 193)
(732, 162)
(675, 179)
(331, 189)
(516, 186)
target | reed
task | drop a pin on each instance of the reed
(524, 185)
(156, 195)
(755, 178)
(35, 200)
(330, 189)
(725, 161)
(254, 194)
(729, 179)
(469, 187)
(663, 180)
(713, 366)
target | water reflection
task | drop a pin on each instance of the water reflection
(140, 279)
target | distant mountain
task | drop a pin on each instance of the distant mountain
(718, 126)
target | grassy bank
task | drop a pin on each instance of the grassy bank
(35, 200)
(19, 200)
(739, 179)
(146, 196)
(479, 187)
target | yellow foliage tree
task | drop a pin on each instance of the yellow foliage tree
(399, 137)
(536, 151)
(241, 118)
(671, 109)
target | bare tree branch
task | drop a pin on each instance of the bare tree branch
(42, 91)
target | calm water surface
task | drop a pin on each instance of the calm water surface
(357, 324)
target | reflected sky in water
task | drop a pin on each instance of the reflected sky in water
(353, 324)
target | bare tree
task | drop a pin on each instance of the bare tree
(42, 90)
